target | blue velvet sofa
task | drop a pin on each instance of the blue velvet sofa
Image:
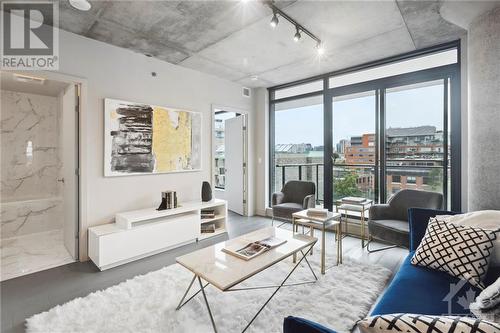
(413, 289)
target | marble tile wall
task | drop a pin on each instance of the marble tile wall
(30, 146)
(30, 164)
(31, 216)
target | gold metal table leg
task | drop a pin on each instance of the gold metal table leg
(337, 240)
(311, 231)
(362, 226)
(293, 231)
(340, 244)
(323, 249)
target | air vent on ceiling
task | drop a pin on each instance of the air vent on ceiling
(246, 92)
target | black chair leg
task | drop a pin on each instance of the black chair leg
(272, 223)
(380, 249)
(281, 224)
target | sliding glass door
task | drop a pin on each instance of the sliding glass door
(415, 137)
(373, 130)
(390, 138)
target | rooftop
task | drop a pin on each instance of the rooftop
(411, 131)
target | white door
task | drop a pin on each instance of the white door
(70, 164)
(234, 152)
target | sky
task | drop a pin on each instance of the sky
(354, 117)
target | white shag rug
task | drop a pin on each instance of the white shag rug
(147, 303)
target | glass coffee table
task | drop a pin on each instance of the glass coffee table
(225, 271)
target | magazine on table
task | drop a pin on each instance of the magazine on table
(256, 248)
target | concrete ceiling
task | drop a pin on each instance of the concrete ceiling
(233, 39)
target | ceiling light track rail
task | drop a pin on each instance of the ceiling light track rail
(299, 27)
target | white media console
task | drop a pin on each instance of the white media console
(141, 233)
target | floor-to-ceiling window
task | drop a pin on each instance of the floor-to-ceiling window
(354, 159)
(414, 140)
(373, 130)
(298, 137)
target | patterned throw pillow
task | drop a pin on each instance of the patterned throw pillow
(463, 252)
(414, 323)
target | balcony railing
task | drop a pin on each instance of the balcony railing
(365, 177)
(286, 172)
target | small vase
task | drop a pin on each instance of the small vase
(206, 192)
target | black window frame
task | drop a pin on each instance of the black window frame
(450, 74)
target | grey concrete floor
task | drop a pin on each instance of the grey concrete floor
(25, 296)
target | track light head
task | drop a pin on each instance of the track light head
(297, 36)
(83, 5)
(274, 21)
(320, 49)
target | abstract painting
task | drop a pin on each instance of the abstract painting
(148, 139)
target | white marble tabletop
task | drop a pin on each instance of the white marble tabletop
(330, 216)
(224, 270)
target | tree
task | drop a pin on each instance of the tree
(335, 156)
(435, 179)
(347, 186)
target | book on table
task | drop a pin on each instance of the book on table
(320, 212)
(353, 200)
(254, 249)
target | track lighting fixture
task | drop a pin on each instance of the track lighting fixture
(274, 21)
(297, 35)
(83, 5)
(299, 29)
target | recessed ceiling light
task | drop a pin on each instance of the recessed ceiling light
(80, 4)
(254, 77)
(29, 79)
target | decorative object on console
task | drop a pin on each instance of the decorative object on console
(145, 139)
(484, 219)
(417, 323)
(463, 252)
(168, 200)
(206, 192)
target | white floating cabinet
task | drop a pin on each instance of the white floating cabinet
(141, 233)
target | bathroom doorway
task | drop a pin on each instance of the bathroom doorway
(39, 173)
(229, 157)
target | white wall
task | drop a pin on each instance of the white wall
(117, 73)
(261, 149)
